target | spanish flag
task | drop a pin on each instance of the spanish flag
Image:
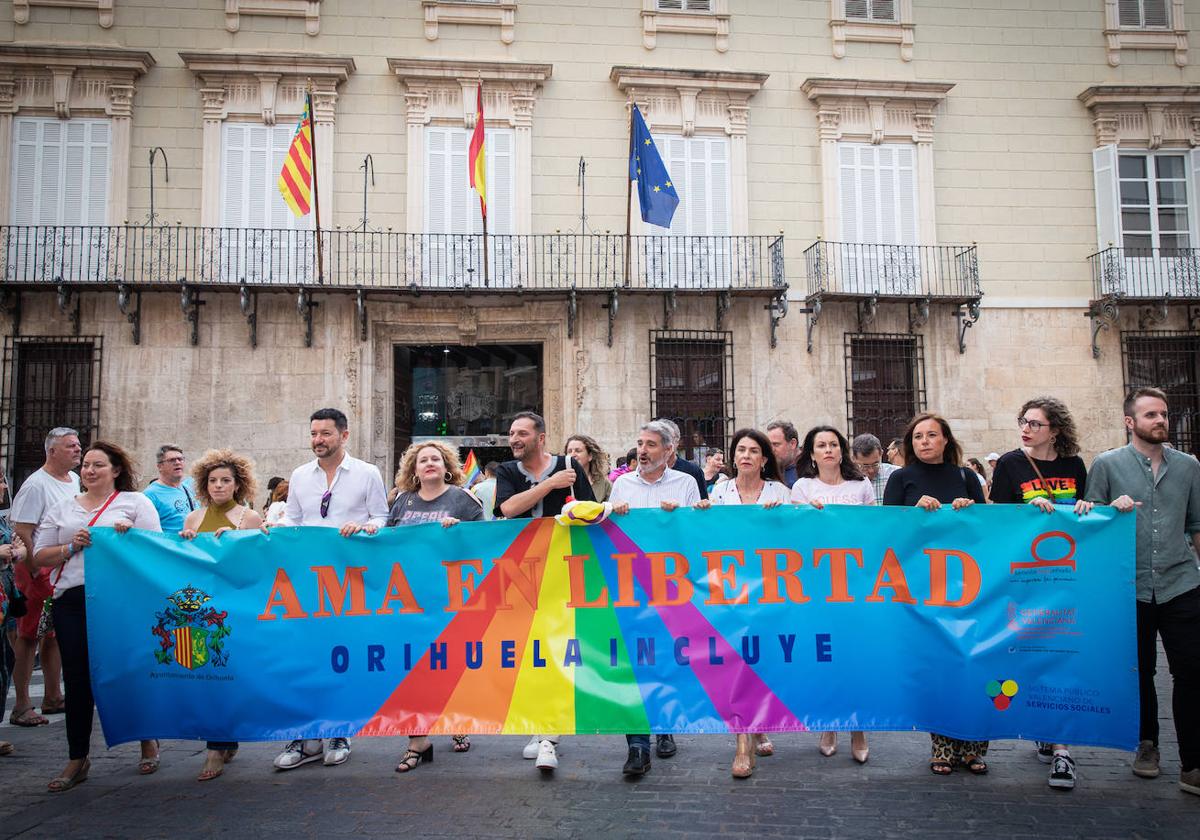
(477, 156)
(296, 177)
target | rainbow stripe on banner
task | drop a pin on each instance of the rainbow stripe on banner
(994, 622)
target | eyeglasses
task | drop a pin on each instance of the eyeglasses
(1034, 425)
(325, 503)
(178, 460)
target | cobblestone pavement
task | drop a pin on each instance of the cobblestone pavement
(492, 792)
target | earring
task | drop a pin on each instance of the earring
(449, 476)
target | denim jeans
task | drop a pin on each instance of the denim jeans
(638, 741)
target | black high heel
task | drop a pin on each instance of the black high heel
(412, 759)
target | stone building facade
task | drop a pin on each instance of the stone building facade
(887, 205)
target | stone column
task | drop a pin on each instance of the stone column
(522, 109)
(417, 101)
(829, 121)
(324, 106)
(926, 201)
(120, 109)
(213, 99)
(8, 108)
(739, 199)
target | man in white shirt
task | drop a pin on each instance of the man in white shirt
(653, 484)
(44, 489)
(334, 491)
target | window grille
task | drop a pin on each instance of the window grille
(49, 381)
(885, 382)
(691, 382)
(1170, 361)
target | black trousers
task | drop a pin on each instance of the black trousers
(70, 626)
(1178, 622)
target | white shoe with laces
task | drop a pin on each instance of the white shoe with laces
(299, 752)
(547, 757)
(530, 751)
(337, 752)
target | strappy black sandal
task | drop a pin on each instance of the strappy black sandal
(462, 743)
(975, 765)
(412, 759)
(941, 768)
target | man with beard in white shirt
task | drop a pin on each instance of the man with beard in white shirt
(334, 491)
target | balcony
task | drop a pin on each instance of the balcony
(134, 259)
(868, 274)
(1153, 279)
(166, 256)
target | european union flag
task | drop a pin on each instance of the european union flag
(656, 192)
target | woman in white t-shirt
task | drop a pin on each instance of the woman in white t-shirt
(825, 475)
(755, 482)
(109, 499)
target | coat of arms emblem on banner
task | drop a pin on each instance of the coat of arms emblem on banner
(190, 634)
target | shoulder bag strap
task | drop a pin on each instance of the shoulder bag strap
(91, 522)
(1041, 478)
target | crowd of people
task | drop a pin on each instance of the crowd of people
(47, 533)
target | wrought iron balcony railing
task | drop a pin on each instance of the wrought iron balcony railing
(1150, 273)
(377, 260)
(857, 270)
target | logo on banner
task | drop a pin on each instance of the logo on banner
(189, 633)
(1002, 692)
(1064, 562)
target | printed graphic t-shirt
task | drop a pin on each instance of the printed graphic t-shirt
(1015, 482)
(411, 509)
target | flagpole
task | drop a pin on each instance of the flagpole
(483, 215)
(312, 122)
(628, 193)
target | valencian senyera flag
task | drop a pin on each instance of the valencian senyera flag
(656, 192)
(296, 176)
(477, 154)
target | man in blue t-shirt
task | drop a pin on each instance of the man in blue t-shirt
(173, 496)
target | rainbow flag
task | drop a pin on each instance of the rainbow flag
(296, 176)
(470, 468)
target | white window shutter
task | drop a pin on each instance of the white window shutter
(698, 5)
(670, 5)
(1129, 12)
(436, 196)
(73, 162)
(906, 196)
(258, 155)
(848, 192)
(99, 152)
(50, 177)
(1193, 192)
(857, 9)
(233, 176)
(500, 182)
(699, 214)
(1156, 13)
(464, 209)
(26, 196)
(718, 179)
(887, 200)
(868, 193)
(1104, 166)
(674, 152)
(883, 10)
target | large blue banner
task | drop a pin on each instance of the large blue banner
(992, 622)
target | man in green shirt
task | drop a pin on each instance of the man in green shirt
(1163, 486)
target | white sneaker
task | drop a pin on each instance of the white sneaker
(297, 753)
(337, 751)
(547, 758)
(530, 750)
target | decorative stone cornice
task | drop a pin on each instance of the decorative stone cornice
(265, 84)
(1144, 116)
(309, 10)
(444, 89)
(501, 14)
(687, 99)
(55, 79)
(103, 7)
(714, 22)
(875, 111)
(898, 31)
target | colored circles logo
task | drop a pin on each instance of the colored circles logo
(1002, 692)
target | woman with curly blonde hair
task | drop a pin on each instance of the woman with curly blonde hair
(429, 485)
(224, 484)
(594, 460)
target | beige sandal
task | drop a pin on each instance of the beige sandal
(65, 783)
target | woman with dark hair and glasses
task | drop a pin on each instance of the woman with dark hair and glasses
(933, 476)
(826, 475)
(1045, 471)
(755, 481)
(110, 499)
